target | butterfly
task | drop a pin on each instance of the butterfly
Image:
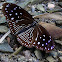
(33, 34)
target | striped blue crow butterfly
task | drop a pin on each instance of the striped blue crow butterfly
(33, 34)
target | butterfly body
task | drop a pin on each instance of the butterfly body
(33, 34)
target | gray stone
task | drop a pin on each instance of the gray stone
(60, 58)
(5, 47)
(58, 41)
(54, 54)
(50, 59)
(3, 29)
(38, 54)
(59, 22)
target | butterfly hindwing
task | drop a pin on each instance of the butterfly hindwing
(43, 40)
(26, 37)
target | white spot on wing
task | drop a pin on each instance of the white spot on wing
(36, 39)
(5, 8)
(34, 43)
(51, 48)
(18, 16)
(42, 44)
(7, 5)
(10, 14)
(38, 43)
(16, 13)
(45, 48)
(44, 35)
(11, 10)
(48, 49)
(14, 8)
(43, 39)
(20, 13)
(40, 37)
(7, 11)
(5, 15)
(12, 18)
(50, 36)
(49, 40)
(46, 43)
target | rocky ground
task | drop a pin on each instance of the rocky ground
(9, 45)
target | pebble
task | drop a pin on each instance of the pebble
(58, 41)
(38, 54)
(60, 58)
(40, 7)
(50, 59)
(59, 53)
(3, 29)
(54, 54)
(59, 22)
(27, 54)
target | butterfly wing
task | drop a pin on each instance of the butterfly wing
(33, 37)
(43, 40)
(26, 37)
(16, 16)
(38, 37)
(16, 13)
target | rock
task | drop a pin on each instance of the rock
(60, 53)
(54, 54)
(2, 20)
(40, 7)
(3, 29)
(26, 2)
(50, 59)
(5, 47)
(59, 22)
(27, 54)
(60, 4)
(11, 1)
(60, 58)
(58, 41)
(38, 54)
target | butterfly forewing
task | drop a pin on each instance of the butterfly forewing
(16, 16)
(16, 13)
(13, 27)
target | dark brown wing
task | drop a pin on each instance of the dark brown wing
(26, 37)
(16, 13)
(16, 16)
(38, 37)
(43, 40)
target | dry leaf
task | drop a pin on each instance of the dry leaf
(53, 30)
(50, 16)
